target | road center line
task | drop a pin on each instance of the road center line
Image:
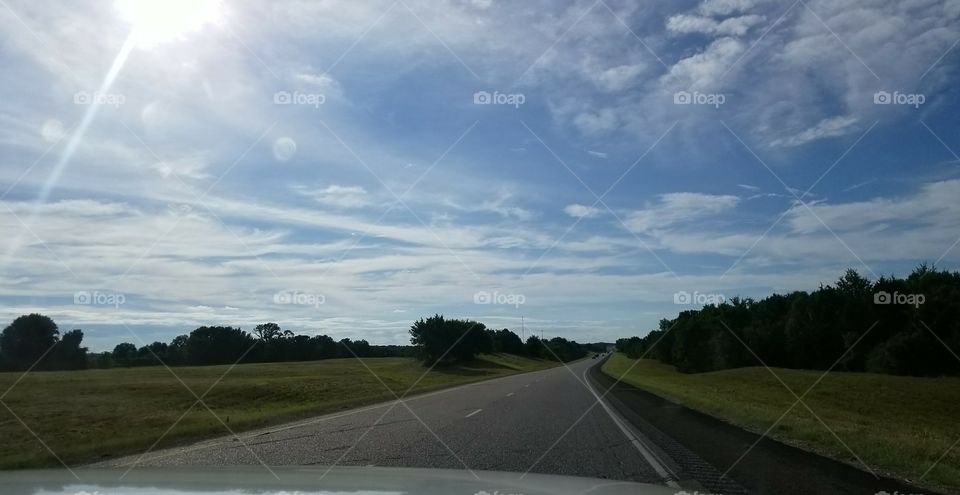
(474, 412)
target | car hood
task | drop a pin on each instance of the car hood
(312, 480)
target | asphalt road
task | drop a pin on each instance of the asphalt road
(542, 422)
(547, 422)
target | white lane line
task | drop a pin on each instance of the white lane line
(635, 440)
(527, 385)
(511, 393)
(474, 412)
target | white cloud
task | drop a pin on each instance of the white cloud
(734, 26)
(727, 7)
(827, 128)
(338, 196)
(619, 78)
(602, 121)
(702, 70)
(581, 211)
(189, 167)
(598, 154)
(674, 209)
(324, 82)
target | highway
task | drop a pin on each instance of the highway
(546, 422)
(542, 422)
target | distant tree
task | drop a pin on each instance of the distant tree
(892, 325)
(218, 345)
(323, 347)
(124, 353)
(267, 331)
(177, 350)
(26, 340)
(69, 354)
(533, 348)
(506, 341)
(442, 340)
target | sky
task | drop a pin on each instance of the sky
(346, 168)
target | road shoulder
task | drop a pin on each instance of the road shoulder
(703, 448)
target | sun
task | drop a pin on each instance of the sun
(158, 21)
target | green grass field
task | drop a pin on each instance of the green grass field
(898, 425)
(90, 415)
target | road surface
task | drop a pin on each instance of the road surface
(543, 422)
(546, 422)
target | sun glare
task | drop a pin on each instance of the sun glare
(159, 21)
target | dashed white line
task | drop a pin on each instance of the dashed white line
(511, 393)
(474, 412)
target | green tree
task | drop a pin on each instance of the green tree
(267, 331)
(27, 339)
(69, 354)
(124, 353)
(438, 339)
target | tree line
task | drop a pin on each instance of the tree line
(900, 326)
(34, 342)
(440, 340)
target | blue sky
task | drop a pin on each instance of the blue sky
(338, 167)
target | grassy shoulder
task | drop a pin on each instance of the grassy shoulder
(90, 415)
(898, 425)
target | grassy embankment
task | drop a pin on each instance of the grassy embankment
(898, 425)
(94, 414)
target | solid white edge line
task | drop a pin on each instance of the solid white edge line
(634, 439)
